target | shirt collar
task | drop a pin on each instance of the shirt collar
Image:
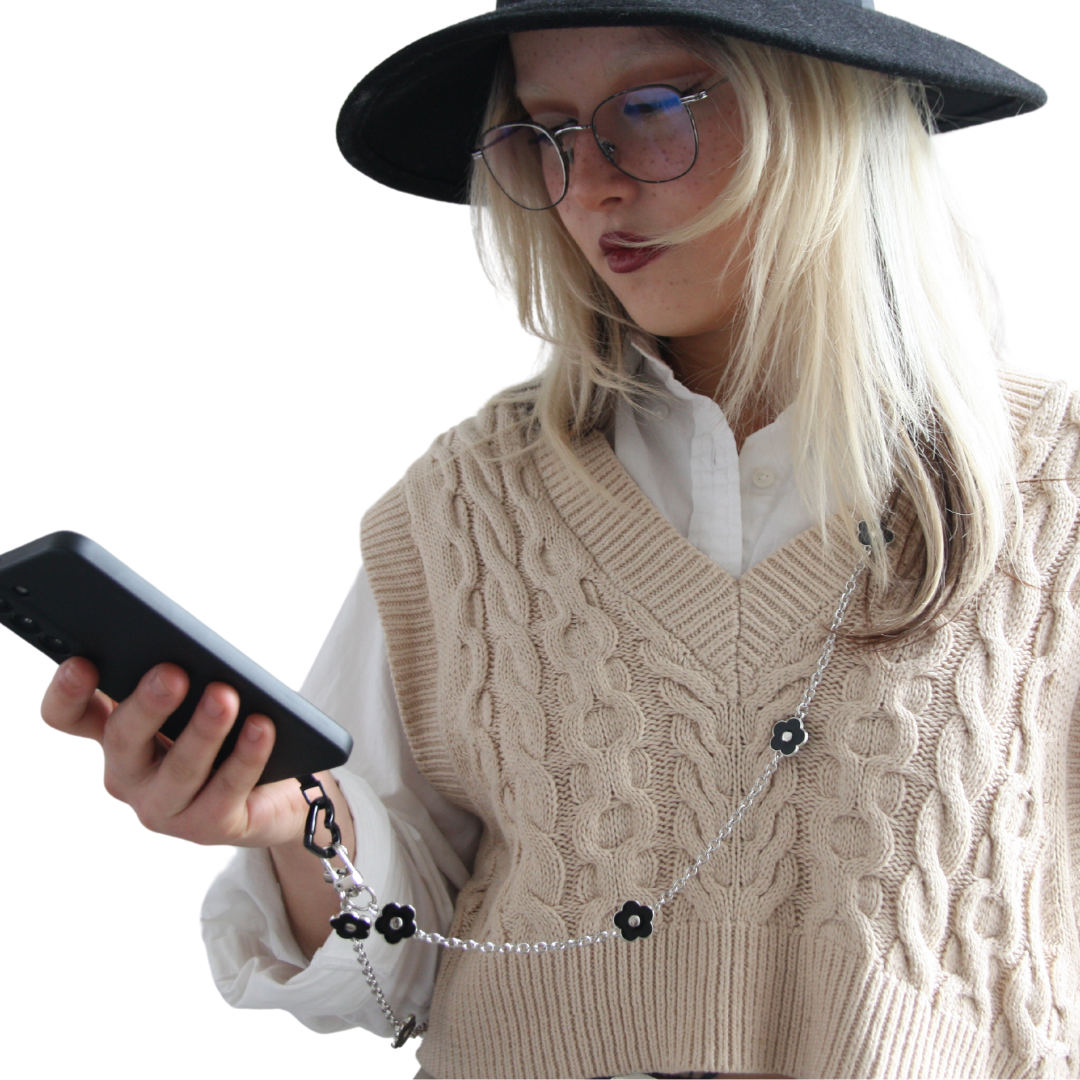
(659, 374)
(653, 370)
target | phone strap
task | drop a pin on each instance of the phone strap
(359, 904)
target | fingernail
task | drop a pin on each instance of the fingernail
(158, 686)
(70, 677)
(253, 730)
(212, 707)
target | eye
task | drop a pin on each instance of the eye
(647, 106)
(645, 110)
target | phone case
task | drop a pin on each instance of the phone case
(67, 596)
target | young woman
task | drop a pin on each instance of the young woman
(595, 617)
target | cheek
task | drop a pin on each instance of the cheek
(681, 200)
(720, 145)
(697, 192)
(573, 223)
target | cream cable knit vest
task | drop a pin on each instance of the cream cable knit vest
(900, 902)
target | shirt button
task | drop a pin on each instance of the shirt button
(763, 478)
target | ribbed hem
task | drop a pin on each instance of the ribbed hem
(698, 998)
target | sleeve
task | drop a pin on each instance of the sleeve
(416, 848)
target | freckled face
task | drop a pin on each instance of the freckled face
(563, 75)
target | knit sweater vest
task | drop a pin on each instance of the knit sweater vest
(902, 899)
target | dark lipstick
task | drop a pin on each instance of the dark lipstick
(622, 259)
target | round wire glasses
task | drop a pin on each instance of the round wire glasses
(647, 132)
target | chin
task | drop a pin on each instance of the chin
(661, 327)
(690, 321)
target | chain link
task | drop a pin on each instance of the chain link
(830, 642)
(729, 827)
(370, 978)
(519, 948)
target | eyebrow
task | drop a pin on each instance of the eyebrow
(647, 52)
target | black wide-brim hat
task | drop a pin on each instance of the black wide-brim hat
(413, 122)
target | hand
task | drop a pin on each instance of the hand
(171, 788)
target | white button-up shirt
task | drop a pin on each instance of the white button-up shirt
(735, 507)
(415, 846)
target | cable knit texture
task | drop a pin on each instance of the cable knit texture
(901, 900)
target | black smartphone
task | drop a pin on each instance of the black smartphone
(67, 596)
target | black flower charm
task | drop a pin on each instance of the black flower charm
(634, 920)
(348, 925)
(864, 534)
(788, 735)
(397, 921)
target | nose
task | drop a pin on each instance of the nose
(595, 184)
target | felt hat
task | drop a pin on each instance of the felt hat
(413, 122)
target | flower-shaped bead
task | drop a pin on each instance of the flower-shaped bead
(788, 735)
(350, 926)
(634, 920)
(864, 534)
(397, 921)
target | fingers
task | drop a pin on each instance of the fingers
(186, 766)
(173, 795)
(229, 809)
(72, 702)
(226, 800)
(129, 735)
(241, 770)
(170, 785)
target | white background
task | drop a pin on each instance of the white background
(220, 344)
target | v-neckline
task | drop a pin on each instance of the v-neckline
(690, 595)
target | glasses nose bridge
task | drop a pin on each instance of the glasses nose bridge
(568, 129)
(573, 129)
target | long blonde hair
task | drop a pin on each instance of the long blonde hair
(865, 304)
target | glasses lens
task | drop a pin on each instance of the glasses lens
(648, 133)
(526, 164)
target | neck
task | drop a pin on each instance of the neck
(701, 364)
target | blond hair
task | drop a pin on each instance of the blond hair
(865, 304)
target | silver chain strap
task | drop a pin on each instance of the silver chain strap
(350, 887)
(519, 948)
(350, 884)
(403, 1029)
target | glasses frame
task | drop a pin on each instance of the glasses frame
(554, 135)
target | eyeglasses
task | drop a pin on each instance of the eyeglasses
(647, 132)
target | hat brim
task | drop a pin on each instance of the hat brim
(413, 122)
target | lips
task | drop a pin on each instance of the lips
(622, 259)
